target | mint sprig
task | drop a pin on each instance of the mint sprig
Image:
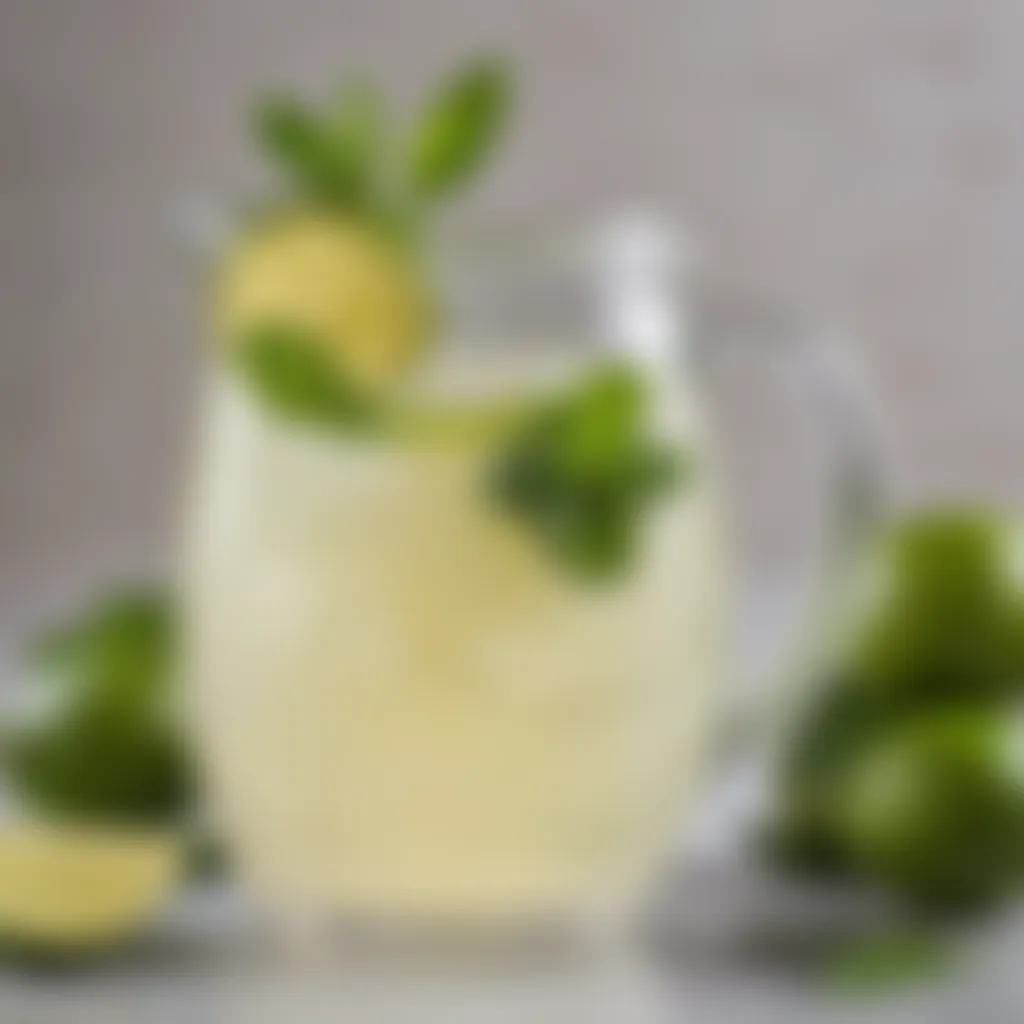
(583, 471)
(289, 373)
(348, 155)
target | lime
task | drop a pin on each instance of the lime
(92, 734)
(934, 626)
(934, 807)
(336, 280)
(81, 890)
(945, 616)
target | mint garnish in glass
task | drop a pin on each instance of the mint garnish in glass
(584, 470)
(335, 267)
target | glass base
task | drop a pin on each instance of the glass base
(317, 970)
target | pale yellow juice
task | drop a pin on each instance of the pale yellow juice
(406, 709)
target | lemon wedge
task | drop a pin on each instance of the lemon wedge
(338, 280)
(76, 890)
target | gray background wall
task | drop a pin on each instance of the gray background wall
(863, 158)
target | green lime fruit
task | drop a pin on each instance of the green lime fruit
(934, 808)
(94, 735)
(943, 614)
(331, 278)
(839, 720)
(935, 620)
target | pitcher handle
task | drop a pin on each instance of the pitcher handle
(857, 482)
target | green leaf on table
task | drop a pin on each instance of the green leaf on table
(458, 128)
(293, 378)
(885, 963)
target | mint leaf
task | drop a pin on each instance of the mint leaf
(358, 122)
(600, 433)
(292, 377)
(306, 150)
(581, 473)
(458, 128)
(358, 126)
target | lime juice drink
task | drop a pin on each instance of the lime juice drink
(453, 608)
(407, 707)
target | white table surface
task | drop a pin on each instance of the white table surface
(728, 947)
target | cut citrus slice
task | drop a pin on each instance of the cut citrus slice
(441, 423)
(77, 889)
(340, 281)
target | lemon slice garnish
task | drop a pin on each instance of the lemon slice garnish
(345, 285)
(78, 889)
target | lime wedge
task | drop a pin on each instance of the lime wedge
(458, 422)
(65, 890)
(338, 280)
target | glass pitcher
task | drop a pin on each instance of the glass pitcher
(410, 707)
